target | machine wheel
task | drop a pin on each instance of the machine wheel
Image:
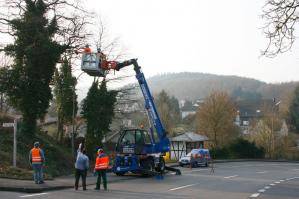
(148, 164)
(120, 173)
(161, 167)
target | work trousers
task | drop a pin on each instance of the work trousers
(83, 174)
(101, 174)
(38, 173)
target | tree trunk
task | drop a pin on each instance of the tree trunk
(28, 125)
(59, 134)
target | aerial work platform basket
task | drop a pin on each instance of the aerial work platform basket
(91, 65)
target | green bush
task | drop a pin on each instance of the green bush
(220, 153)
(239, 148)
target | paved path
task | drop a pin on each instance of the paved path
(235, 180)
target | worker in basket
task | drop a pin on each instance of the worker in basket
(104, 63)
(85, 50)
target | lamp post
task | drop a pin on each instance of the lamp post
(272, 126)
(73, 117)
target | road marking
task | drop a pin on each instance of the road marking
(199, 170)
(228, 177)
(38, 194)
(281, 180)
(262, 172)
(182, 187)
(295, 169)
(267, 187)
(261, 190)
(272, 184)
(254, 195)
(277, 182)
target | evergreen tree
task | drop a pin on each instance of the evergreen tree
(98, 110)
(65, 96)
(35, 55)
(294, 110)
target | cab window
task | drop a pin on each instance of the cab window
(147, 137)
(139, 137)
(129, 138)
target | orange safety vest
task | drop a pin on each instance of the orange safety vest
(102, 163)
(87, 50)
(35, 155)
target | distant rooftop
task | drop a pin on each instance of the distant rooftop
(189, 137)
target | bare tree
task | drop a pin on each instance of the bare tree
(281, 17)
(71, 18)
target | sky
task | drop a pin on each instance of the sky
(218, 37)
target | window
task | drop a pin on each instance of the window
(139, 137)
(147, 137)
(129, 138)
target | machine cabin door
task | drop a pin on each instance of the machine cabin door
(134, 142)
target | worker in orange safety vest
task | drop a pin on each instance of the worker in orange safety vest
(101, 166)
(37, 161)
(85, 50)
(104, 63)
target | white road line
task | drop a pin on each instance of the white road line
(272, 184)
(267, 187)
(199, 170)
(277, 182)
(228, 177)
(281, 180)
(255, 195)
(32, 195)
(182, 187)
(262, 172)
(261, 190)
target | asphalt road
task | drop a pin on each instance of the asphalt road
(229, 181)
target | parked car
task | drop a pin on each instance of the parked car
(196, 157)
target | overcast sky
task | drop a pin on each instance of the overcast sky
(219, 37)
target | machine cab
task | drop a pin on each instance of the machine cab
(91, 64)
(134, 141)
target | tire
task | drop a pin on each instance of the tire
(148, 164)
(120, 173)
(161, 167)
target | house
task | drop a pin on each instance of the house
(184, 143)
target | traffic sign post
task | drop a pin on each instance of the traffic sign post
(8, 124)
(15, 126)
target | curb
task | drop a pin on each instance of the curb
(53, 188)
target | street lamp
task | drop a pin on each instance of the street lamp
(272, 125)
(73, 117)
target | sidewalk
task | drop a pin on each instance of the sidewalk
(56, 184)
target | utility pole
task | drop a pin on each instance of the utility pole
(272, 127)
(73, 118)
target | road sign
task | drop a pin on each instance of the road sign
(8, 125)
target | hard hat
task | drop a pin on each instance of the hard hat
(36, 144)
(100, 151)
